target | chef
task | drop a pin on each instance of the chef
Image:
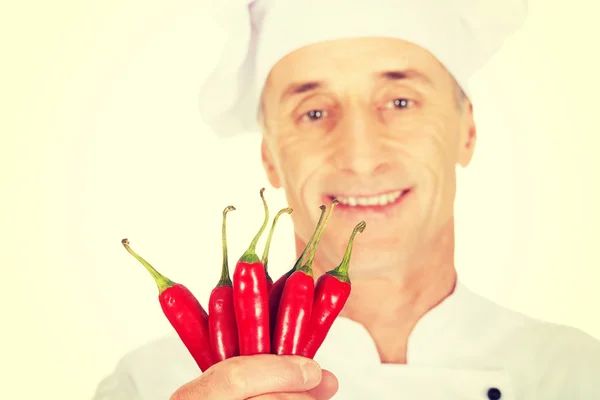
(368, 102)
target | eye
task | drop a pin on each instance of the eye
(399, 103)
(314, 115)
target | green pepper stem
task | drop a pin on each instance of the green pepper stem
(162, 282)
(308, 265)
(341, 271)
(265, 256)
(225, 279)
(250, 256)
(298, 263)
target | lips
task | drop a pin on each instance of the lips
(371, 201)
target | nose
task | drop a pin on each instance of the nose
(359, 149)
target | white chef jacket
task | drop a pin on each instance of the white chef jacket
(466, 348)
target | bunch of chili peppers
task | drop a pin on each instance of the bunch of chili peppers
(248, 314)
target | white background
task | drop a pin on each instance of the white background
(102, 140)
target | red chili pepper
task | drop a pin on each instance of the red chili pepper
(296, 303)
(251, 299)
(184, 312)
(277, 288)
(331, 293)
(221, 314)
(265, 256)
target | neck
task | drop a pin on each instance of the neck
(390, 306)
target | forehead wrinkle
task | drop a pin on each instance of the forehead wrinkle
(404, 75)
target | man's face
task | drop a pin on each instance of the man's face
(377, 124)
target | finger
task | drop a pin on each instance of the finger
(239, 378)
(284, 396)
(327, 388)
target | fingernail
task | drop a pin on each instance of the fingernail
(311, 372)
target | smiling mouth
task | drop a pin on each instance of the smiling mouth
(372, 202)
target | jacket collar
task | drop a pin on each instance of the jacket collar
(462, 323)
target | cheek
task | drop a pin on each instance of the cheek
(299, 165)
(427, 143)
(439, 174)
(298, 162)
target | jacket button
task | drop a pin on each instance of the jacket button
(494, 394)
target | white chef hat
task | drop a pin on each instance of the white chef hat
(461, 34)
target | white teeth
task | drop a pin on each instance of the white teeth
(381, 200)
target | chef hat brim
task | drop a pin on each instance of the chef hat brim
(463, 35)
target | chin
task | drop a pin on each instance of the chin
(372, 255)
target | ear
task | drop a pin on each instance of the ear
(468, 135)
(269, 165)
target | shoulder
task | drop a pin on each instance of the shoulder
(560, 343)
(152, 371)
(545, 357)
(509, 325)
(557, 361)
(155, 355)
(528, 334)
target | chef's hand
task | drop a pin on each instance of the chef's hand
(261, 377)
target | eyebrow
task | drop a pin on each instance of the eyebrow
(394, 75)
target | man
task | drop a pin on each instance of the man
(368, 103)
